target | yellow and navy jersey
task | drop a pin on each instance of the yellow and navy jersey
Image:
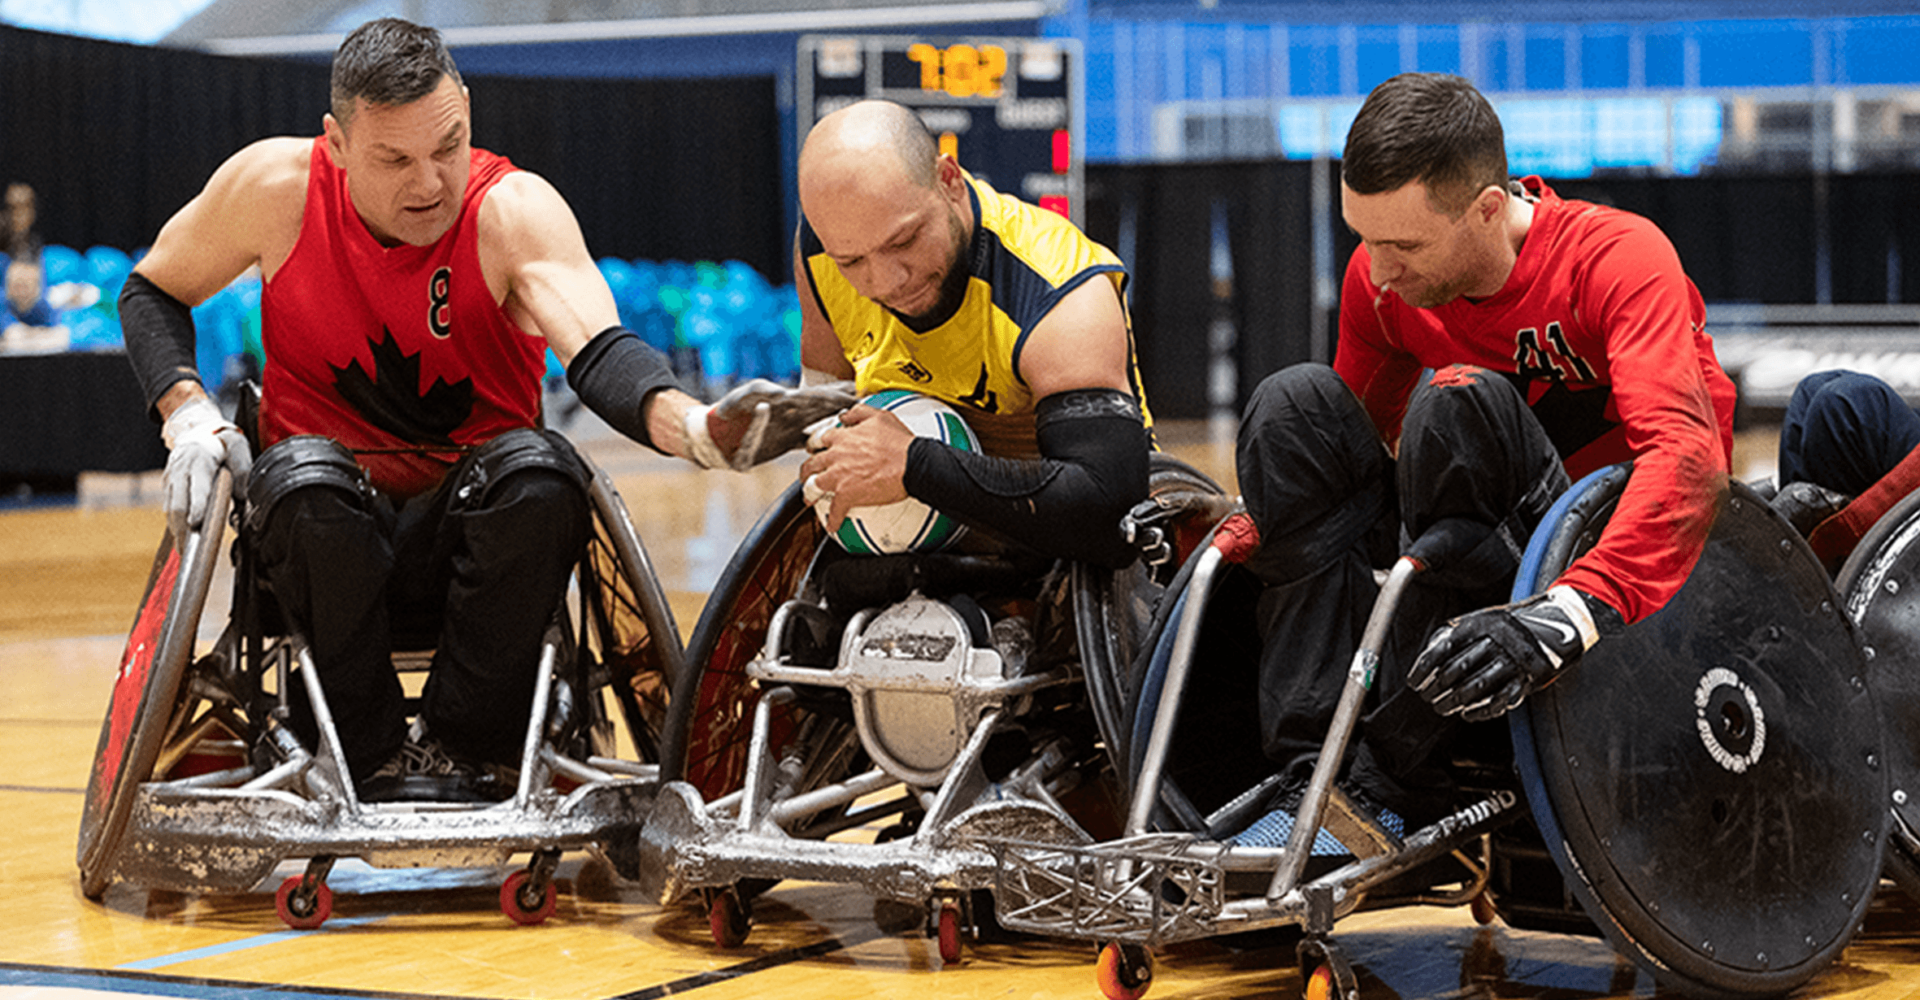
(1023, 260)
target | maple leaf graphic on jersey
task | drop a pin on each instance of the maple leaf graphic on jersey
(391, 399)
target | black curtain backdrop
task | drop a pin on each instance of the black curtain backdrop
(1877, 256)
(115, 138)
(1169, 210)
(1741, 238)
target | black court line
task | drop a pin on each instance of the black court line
(203, 988)
(786, 956)
(43, 789)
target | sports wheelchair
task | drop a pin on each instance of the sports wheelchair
(199, 785)
(1706, 789)
(1878, 584)
(935, 699)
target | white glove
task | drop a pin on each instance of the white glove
(199, 440)
(758, 420)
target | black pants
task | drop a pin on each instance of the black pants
(1844, 431)
(474, 568)
(1475, 473)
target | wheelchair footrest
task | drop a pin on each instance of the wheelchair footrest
(227, 840)
(685, 846)
(1151, 889)
(1159, 888)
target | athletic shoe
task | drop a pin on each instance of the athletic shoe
(425, 770)
(1276, 827)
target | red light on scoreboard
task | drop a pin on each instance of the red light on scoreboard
(1057, 203)
(1062, 151)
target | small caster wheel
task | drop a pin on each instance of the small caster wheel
(1125, 971)
(523, 903)
(1326, 972)
(1327, 983)
(728, 919)
(1320, 984)
(1482, 908)
(947, 927)
(301, 907)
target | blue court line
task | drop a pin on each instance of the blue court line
(43, 788)
(216, 950)
(132, 979)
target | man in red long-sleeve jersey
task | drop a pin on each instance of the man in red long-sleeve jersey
(1495, 340)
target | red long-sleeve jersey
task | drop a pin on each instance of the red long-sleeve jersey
(1604, 333)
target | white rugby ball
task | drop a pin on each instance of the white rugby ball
(905, 525)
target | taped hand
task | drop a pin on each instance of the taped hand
(1484, 664)
(199, 441)
(758, 420)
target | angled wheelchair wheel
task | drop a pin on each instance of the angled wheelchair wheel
(1116, 611)
(1219, 711)
(147, 688)
(630, 642)
(1879, 585)
(1710, 782)
(709, 717)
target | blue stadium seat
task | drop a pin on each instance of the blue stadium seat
(60, 264)
(107, 268)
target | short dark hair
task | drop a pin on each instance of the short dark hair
(1427, 127)
(389, 61)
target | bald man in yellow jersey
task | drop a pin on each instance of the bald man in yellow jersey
(917, 276)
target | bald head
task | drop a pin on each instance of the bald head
(860, 140)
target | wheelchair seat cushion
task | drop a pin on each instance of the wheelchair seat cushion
(875, 581)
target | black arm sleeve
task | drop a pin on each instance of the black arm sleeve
(1092, 470)
(158, 329)
(615, 374)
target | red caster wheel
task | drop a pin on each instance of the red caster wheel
(1320, 984)
(728, 919)
(1482, 908)
(301, 908)
(522, 904)
(1125, 971)
(948, 929)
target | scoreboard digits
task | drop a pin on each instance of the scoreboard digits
(960, 70)
(1005, 108)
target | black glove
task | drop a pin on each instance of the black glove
(1483, 664)
(1805, 505)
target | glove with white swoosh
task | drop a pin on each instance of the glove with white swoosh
(1483, 664)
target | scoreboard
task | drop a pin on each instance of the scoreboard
(1007, 108)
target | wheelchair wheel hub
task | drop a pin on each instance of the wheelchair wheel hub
(1731, 723)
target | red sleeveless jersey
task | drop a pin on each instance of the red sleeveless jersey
(399, 353)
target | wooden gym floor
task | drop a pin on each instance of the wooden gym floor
(70, 576)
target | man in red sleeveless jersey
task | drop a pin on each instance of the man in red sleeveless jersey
(1495, 342)
(412, 285)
